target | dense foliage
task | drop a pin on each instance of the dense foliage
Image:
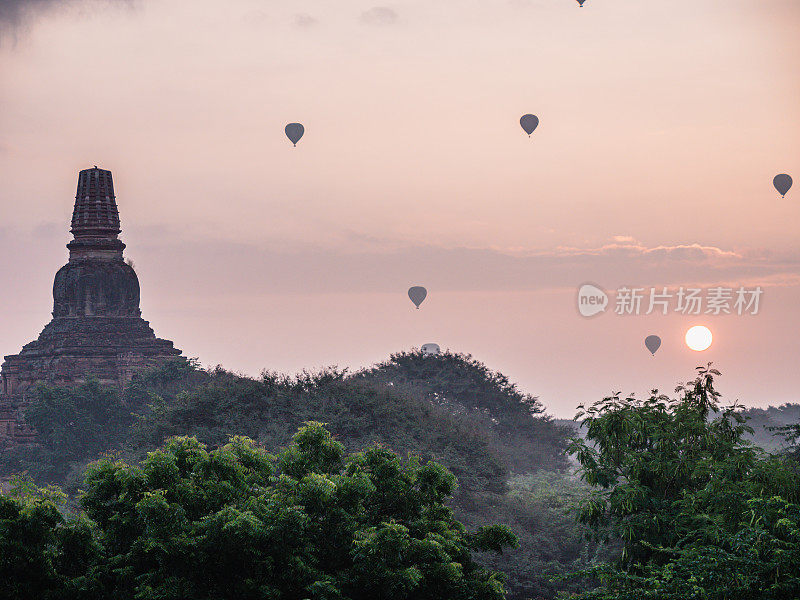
(515, 422)
(673, 501)
(701, 512)
(541, 508)
(74, 424)
(239, 523)
(449, 408)
(775, 429)
(791, 437)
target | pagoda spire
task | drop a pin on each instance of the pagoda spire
(95, 217)
(95, 213)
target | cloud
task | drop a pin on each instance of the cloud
(255, 17)
(379, 15)
(523, 4)
(218, 267)
(304, 20)
(49, 230)
(15, 13)
(633, 249)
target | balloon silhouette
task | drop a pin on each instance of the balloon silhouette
(529, 123)
(294, 131)
(430, 348)
(652, 343)
(782, 183)
(417, 294)
(581, 2)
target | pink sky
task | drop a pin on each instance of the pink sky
(662, 126)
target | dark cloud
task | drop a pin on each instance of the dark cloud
(14, 13)
(379, 15)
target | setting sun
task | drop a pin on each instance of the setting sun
(698, 338)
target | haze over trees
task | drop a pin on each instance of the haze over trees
(658, 498)
(508, 457)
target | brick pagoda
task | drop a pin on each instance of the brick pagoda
(97, 329)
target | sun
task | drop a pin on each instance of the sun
(698, 338)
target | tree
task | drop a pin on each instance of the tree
(237, 522)
(700, 512)
(519, 429)
(540, 508)
(791, 436)
(73, 424)
(483, 430)
(43, 555)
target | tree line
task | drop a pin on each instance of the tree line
(669, 499)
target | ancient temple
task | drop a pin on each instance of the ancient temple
(97, 329)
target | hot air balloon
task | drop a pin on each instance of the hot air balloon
(430, 349)
(417, 294)
(529, 123)
(652, 343)
(294, 131)
(581, 2)
(782, 183)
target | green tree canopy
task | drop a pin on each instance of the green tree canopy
(518, 428)
(700, 512)
(311, 522)
(449, 408)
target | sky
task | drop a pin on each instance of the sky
(662, 125)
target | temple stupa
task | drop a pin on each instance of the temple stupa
(97, 329)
